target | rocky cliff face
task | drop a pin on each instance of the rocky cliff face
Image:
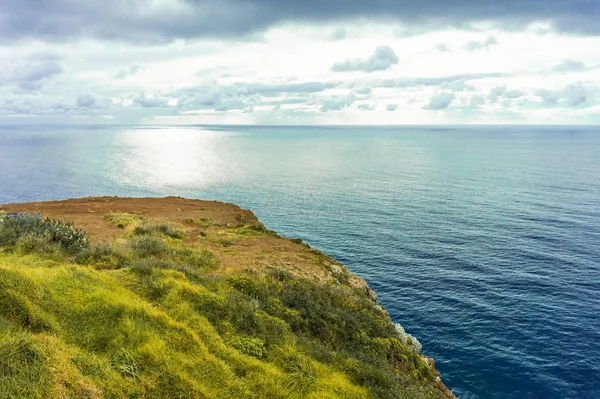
(272, 302)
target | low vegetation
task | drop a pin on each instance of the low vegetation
(150, 316)
(123, 220)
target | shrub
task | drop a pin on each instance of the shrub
(407, 339)
(103, 256)
(302, 374)
(250, 346)
(148, 246)
(254, 230)
(163, 229)
(202, 259)
(205, 222)
(299, 241)
(30, 243)
(225, 242)
(14, 226)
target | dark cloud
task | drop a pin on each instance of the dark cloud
(140, 21)
(29, 75)
(440, 101)
(391, 107)
(382, 58)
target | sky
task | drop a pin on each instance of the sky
(389, 62)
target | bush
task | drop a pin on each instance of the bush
(254, 230)
(16, 225)
(299, 241)
(148, 246)
(202, 259)
(249, 346)
(103, 256)
(30, 243)
(164, 229)
(302, 374)
(205, 222)
(407, 339)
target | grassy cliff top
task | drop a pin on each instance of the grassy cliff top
(178, 298)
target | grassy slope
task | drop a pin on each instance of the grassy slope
(152, 316)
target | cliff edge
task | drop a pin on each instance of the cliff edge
(180, 298)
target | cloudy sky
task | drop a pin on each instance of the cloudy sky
(300, 61)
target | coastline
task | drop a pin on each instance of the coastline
(258, 254)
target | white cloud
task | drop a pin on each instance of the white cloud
(383, 58)
(336, 103)
(569, 66)
(287, 77)
(512, 94)
(151, 101)
(442, 47)
(573, 95)
(477, 101)
(365, 107)
(440, 101)
(495, 93)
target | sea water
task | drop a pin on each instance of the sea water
(483, 242)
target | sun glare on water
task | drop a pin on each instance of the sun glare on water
(170, 157)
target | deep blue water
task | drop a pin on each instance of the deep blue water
(484, 242)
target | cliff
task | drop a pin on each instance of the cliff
(178, 298)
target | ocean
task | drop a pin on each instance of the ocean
(483, 242)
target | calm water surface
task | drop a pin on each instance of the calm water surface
(482, 242)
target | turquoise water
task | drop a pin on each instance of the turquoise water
(484, 242)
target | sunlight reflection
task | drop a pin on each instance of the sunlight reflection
(170, 157)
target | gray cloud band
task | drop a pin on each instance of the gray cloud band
(156, 22)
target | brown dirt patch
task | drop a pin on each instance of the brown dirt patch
(234, 251)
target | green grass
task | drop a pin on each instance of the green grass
(253, 230)
(123, 220)
(205, 222)
(154, 318)
(166, 230)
